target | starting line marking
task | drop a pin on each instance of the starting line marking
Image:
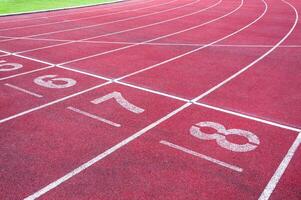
(93, 116)
(23, 90)
(199, 155)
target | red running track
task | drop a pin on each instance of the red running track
(178, 99)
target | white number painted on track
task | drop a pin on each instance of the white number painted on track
(6, 66)
(49, 81)
(222, 133)
(120, 100)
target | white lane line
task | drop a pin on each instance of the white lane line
(85, 73)
(202, 156)
(93, 116)
(265, 195)
(203, 47)
(51, 103)
(78, 19)
(255, 61)
(24, 73)
(155, 43)
(102, 156)
(128, 30)
(23, 90)
(247, 117)
(55, 9)
(161, 37)
(151, 91)
(77, 12)
(108, 22)
(33, 59)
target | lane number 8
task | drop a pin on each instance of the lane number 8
(221, 136)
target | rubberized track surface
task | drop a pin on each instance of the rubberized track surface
(177, 99)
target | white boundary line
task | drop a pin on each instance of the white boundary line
(202, 156)
(128, 30)
(154, 43)
(268, 190)
(83, 18)
(27, 72)
(113, 6)
(23, 90)
(200, 48)
(59, 9)
(247, 116)
(108, 22)
(255, 61)
(158, 38)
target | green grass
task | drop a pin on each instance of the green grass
(18, 6)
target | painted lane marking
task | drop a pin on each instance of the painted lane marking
(247, 116)
(220, 136)
(202, 156)
(158, 38)
(106, 23)
(203, 47)
(265, 195)
(102, 155)
(28, 72)
(151, 90)
(52, 102)
(23, 90)
(93, 116)
(97, 16)
(156, 43)
(94, 10)
(117, 96)
(123, 31)
(50, 81)
(255, 61)
(7, 67)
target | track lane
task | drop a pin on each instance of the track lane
(47, 50)
(69, 25)
(30, 19)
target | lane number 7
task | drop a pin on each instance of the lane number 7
(120, 100)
